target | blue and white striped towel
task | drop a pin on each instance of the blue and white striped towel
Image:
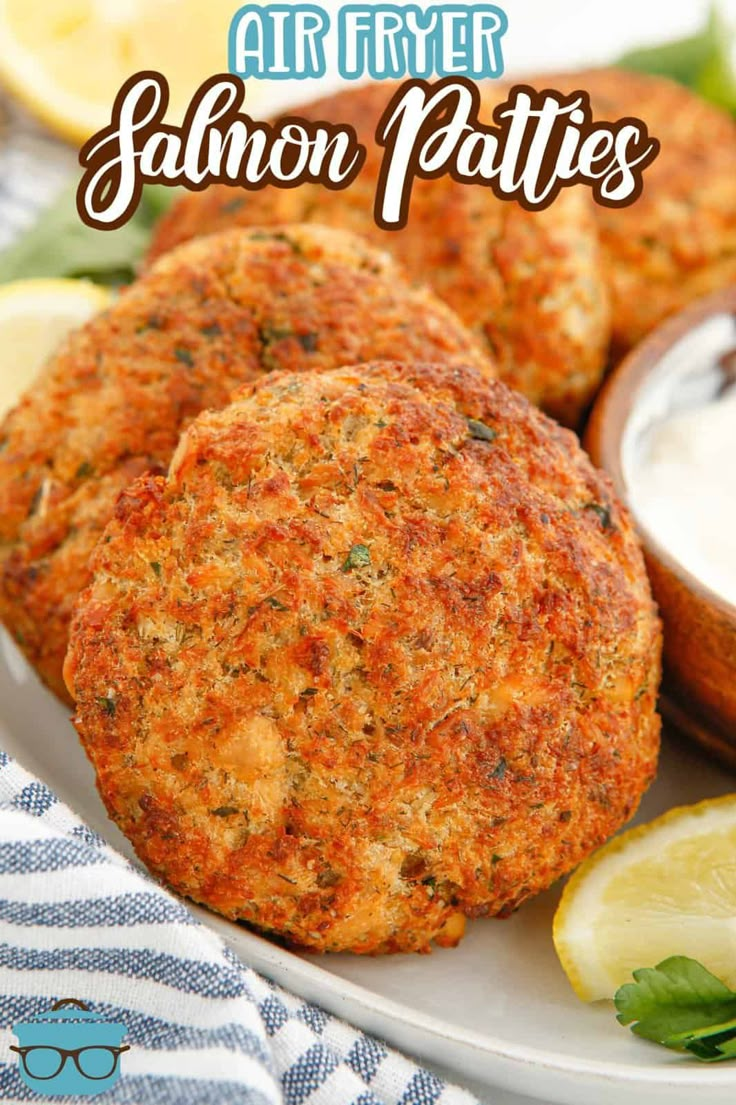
(77, 919)
(33, 169)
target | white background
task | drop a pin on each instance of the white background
(549, 34)
(542, 35)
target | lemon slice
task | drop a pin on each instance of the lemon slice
(665, 888)
(66, 59)
(34, 317)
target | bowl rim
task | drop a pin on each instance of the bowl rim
(621, 391)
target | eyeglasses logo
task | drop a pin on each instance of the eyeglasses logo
(69, 1050)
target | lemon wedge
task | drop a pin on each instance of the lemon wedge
(661, 889)
(66, 59)
(34, 317)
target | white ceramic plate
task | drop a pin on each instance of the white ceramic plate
(497, 1010)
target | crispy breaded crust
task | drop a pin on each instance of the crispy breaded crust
(678, 241)
(113, 401)
(379, 653)
(530, 284)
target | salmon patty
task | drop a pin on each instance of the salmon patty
(530, 284)
(114, 400)
(378, 655)
(678, 240)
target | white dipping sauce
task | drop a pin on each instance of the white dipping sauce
(683, 489)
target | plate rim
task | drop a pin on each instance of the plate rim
(484, 1043)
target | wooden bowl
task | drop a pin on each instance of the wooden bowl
(678, 359)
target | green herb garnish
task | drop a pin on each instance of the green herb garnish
(603, 513)
(308, 342)
(499, 770)
(358, 557)
(480, 432)
(232, 206)
(682, 1006)
(184, 355)
(109, 705)
(275, 604)
(701, 62)
(268, 334)
(59, 244)
(328, 878)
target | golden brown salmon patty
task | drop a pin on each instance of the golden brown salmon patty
(678, 241)
(379, 653)
(113, 401)
(531, 284)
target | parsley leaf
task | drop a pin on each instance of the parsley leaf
(358, 557)
(107, 705)
(683, 1006)
(603, 513)
(480, 431)
(59, 244)
(710, 1043)
(701, 61)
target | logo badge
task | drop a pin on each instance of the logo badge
(69, 1050)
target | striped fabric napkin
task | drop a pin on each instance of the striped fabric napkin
(33, 169)
(77, 919)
